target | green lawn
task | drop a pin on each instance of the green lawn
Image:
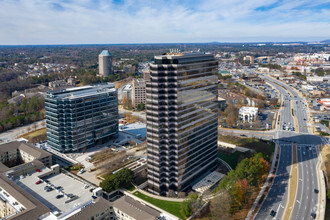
(231, 159)
(171, 207)
(130, 188)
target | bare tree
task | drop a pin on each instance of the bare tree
(171, 193)
(220, 206)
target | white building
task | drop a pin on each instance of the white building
(315, 78)
(248, 114)
(308, 87)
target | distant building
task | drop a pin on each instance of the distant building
(263, 70)
(314, 78)
(325, 104)
(105, 63)
(248, 114)
(316, 93)
(222, 103)
(146, 76)
(138, 92)
(308, 87)
(182, 120)
(250, 59)
(81, 117)
(126, 93)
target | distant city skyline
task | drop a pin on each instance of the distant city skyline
(37, 22)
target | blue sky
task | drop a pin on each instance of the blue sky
(162, 21)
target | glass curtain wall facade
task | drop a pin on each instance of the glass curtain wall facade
(79, 118)
(182, 121)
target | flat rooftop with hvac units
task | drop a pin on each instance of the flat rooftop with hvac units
(81, 117)
(61, 193)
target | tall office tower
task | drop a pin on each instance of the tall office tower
(182, 120)
(138, 92)
(105, 63)
(81, 117)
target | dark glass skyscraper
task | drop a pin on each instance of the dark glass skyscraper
(78, 118)
(182, 120)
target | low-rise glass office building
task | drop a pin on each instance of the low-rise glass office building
(81, 117)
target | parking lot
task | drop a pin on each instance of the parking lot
(80, 194)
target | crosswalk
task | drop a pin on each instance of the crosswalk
(325, 141)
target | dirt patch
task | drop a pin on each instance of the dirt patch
(36, 136)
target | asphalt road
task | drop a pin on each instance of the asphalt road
(12, 134)
(306, 199)
(268, 135)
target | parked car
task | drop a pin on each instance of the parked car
(313, 215)
(272, 213)
(70, 195)
(39, 181)
(59, 196)
(49, 189)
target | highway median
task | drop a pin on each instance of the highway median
(293, 185)
(296, 126)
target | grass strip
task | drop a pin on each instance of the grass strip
(172, 207)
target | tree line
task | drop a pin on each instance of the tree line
(236, 188)
(27, 111)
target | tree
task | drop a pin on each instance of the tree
(328, 194)
(140, 107)
(122, 178)
(274, 101)
(231, 114)
(127, 102)
(191, 204)
(220, 206)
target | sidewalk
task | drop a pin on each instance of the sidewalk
(254, 208)
(323, 190)
(139, 189)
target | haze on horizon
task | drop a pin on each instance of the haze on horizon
(30, 22)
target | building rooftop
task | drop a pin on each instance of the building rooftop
(79, 92)
(248, 110)
(105, 53)
(182, 58)
(135, 209)
(64, 206)
(208, 181)
(96, 206)
(26, 147)
(19, 198)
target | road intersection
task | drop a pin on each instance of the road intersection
(292, 130)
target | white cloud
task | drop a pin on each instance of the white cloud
(148, 21)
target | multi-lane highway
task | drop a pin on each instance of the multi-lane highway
(292, 128)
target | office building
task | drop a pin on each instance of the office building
(105, 63)
(182, 120)
(16, 153)
(250, 59)
(81, 117)
(248, 114)
(138, 92)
